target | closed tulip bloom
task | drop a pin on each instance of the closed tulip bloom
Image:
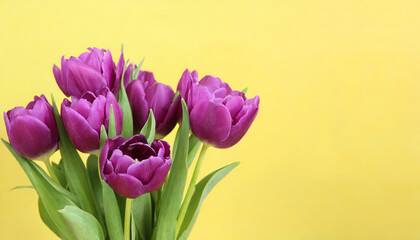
(32, 130)
(219, 116)
(83, 118)
(145, 93)
(132, 167)
(91, 71)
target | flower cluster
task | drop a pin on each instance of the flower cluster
(109, 104)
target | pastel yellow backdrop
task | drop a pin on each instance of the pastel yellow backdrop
(335, 150)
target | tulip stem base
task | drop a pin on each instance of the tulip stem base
(191, 189)
(47, 163)
(127, 219)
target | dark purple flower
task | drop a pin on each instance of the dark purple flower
(91, 71)
(83, 118)
(32, 130)
(145, 93)
(219, 116)
(132, 167)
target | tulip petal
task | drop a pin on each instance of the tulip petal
(159, 177)
(241, 127)
(210, 121)
(30, 137)
(136, 96)
(159, 97)
(235, 105)
(145, 169)
(108, 68)
(127, 186)
(81, 134)
(59, 79)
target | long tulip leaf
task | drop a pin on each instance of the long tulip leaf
(112, 213)
(46, 218)
(82, 224)
(52, 199)
(143, 215)
(92, 168)
(136, 74)
(112, 132)
(61, 176)
(75, 171)
(202, 189)
(127, 128)
(194, 145)
(174, 188)
(149, 127)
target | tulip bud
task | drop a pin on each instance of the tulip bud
(132, 167)
(32, 130)
(83, 118)
(145, 93)
(91, 71)
(219, 116)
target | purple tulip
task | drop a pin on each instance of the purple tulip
(83, 118)
(32, 130)
(219, 116)
(145, 93)
(91, 71)
(132, 167)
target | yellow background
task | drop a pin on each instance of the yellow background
(335, 150)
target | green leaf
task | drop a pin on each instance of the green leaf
(52, 199)
(143, 215)
(112, 132)
(202, 189)
(245, 90)
(22, 187)
(104, 136)
(46, 218)
(82, 225)
(112, 213)
(75, 171)
(59, 172)
(174, 189)
(149, 128)
(92, 167)
(133, 228)
(136, 74)
(194, 145)
(127, 128)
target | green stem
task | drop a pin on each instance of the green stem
(46, 161)
(191, 189)
(127, 219)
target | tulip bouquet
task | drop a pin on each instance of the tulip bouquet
(131, 185)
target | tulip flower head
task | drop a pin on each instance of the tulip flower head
(83, 118)
(32, 130)
(91, 71)
(219, 115)
(146, 93)
(132, 167)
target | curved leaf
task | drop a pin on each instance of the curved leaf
(112, 213)
(82, 225)
(143, 215)
(149, 128)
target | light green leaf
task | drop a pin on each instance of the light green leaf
(46, 218)
(194, 145)
(59, 172)
(22, 187)
(136, 74)
(202, 189)
(127, 128)
(112, 213)
(174, 188)
(245, 90)
(112, 132)
(104, 136)
(92, 168)
(75, 171)
(149, 128)
(83, 225)
(52, 199)
(143, 215)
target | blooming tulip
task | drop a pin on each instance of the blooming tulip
(219, 116)
(132, 167)
(32, 130)
(83, 118)
(145, 93)
(91, 71)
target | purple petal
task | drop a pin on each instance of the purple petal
(81, 134)
(127, 186)
(159, 97)
(210, 122)
(59, 80)
(96, 115)
(136, 96)
(235, 105)
(108, 69)
(145, 169)
(30, 137)
(159, 177)
(120, 162)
